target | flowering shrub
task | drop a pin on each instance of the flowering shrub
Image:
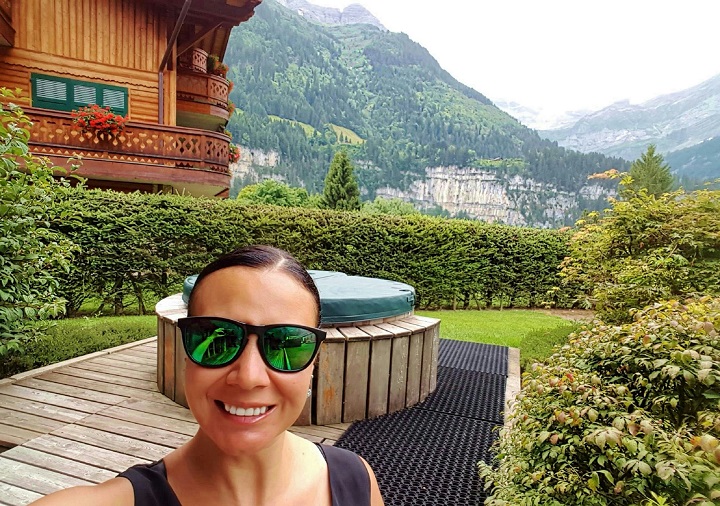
(234, 153)
(618, 413)
(94, 118)
(216, 67)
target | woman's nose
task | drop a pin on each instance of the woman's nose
(249, 370)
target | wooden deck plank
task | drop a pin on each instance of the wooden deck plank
(134, 430)
(28, 421)
(15, 496)
(101, 386)
(114, 442)
(317, 430)
(138, 356)
(43, 392)
(41, 409)
(108, 378)
(69, 392)
(122, 364)
(134, 360)
(151, 420)
(135, 373)
(59, 464)
(81, 452)
(178, 412)
(35, 478)
(12, 436)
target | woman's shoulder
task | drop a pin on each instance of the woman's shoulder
(352, 480)
(114, 492)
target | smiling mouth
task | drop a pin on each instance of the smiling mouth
(244, 412)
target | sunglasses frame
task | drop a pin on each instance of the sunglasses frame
(258, 330)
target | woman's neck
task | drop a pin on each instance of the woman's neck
(199, 472)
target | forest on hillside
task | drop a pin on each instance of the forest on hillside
(296, 82)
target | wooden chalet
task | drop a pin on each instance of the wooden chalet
(142, 58)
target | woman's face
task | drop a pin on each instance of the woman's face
(257, 297)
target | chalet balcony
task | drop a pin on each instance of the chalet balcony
(148, 156)
(201, 98)
(7, 32)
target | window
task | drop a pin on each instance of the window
(62, 94)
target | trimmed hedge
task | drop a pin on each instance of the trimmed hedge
(134, 243)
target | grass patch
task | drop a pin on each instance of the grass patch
(309, 130)
(76, 337)
(352, 137)
(533, 332)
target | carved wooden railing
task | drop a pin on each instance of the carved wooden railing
(203, 88)
(193, 60)
(53, 133)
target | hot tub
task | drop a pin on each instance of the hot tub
(378, 356)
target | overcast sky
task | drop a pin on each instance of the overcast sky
(561, 55)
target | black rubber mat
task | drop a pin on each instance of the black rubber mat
(423, 457)
(476, 357)
(470, 394)
(428, 454)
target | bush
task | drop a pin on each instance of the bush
(645, 249)
(30, 249)
(132, 244)
(619, 413)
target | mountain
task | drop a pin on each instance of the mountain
(541, 119)
(353, 14)
(672, 122)
(700, 162)
(304, 90)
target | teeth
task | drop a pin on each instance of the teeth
(233, 410)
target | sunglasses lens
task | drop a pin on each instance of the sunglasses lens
(212, 343)
(289, 348)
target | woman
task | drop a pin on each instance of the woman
(250, 338)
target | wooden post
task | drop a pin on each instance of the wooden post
(179, 370)
(398, 365)
(330, 373)
(356, 380)
(415, 364)
(169, 359)
(160, 358)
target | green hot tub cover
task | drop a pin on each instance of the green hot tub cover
(345, 299)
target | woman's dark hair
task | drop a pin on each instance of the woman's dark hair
(261, 257)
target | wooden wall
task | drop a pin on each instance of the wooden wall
(118, 42)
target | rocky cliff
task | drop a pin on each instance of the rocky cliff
(485, 196)
(352, 14)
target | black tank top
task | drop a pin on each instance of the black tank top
(349, 480)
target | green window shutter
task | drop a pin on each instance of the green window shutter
(62, 94)
(115, 98)
(84, 94)
(50, 93)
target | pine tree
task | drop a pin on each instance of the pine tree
(341, 189)
(651, 173)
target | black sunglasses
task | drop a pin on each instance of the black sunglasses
(212, 341)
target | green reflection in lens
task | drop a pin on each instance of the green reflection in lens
(289, 348)
(217, 348)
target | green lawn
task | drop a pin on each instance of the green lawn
(75, 337)
(533, 332)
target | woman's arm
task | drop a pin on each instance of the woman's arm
(375, 496)
(115, 492)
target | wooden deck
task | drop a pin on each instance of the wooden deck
(91, 418)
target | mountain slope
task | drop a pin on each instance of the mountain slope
(671, 122)
(700, 162)
(411, 114)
